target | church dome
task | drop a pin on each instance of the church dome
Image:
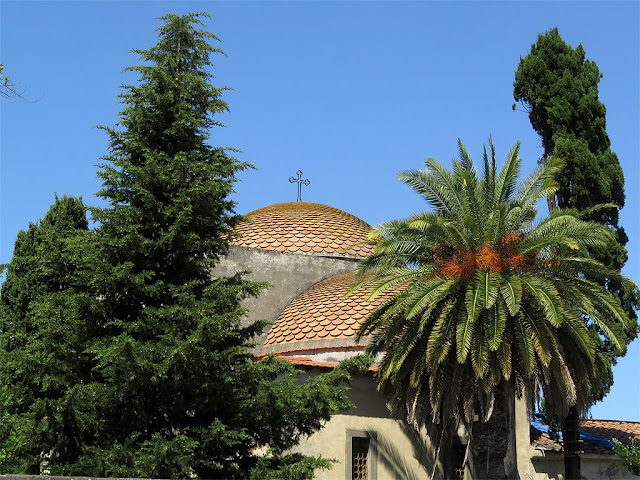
(322, 316)
(306, 228)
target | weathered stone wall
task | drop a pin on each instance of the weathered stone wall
(289, 273)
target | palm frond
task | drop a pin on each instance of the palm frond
(504, 358)
(427, 294)
(508, 176)
(441, 337)
(488, 284)
(480, 348)
(562, 228)
(489, 176)
(474, 297)
(496, 325)
(524, 347)
(511, 290)
(428, 186)
(539, 334)
(540, 183)
(574, 327)
(466, 322)
(544, 294)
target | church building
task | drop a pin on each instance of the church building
(308, 253)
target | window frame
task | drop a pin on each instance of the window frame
(372, 457)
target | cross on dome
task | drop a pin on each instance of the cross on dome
(300, 182)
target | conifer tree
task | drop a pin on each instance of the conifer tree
(45, 300)
(558, 86)
(171, 389)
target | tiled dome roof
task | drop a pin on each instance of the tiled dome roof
(301, 227)
(322, 313)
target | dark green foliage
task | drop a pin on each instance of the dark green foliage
(630, 453)
(124, 356)
(294, 466)
(44, 303)
(267, 406)
(9, 442)
(558, 86)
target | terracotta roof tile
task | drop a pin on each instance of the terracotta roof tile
(618, 429)
(311, 228)
(324, 308)
(542, 441)
(608, 429)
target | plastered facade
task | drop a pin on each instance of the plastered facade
(550, 466)
(289, 274)
(397, 453)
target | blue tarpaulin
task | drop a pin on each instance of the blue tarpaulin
(537, 424)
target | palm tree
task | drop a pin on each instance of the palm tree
(488, 303)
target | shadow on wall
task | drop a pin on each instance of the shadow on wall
(396, 461)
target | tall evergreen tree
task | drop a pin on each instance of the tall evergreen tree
(171, 389)
(558, 86)
(45, 300)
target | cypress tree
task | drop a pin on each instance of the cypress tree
(558, 87)
(171, 389)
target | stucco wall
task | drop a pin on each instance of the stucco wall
(550, 466)
(290, 274)
(398, 454)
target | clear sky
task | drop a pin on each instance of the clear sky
(348, 92)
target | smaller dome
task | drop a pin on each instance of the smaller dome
(323, 313)
(302, 227)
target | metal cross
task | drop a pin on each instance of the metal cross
(300, 182)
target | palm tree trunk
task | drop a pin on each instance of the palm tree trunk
(490, 440)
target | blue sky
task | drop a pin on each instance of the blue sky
(348, 92)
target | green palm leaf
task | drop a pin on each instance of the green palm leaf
(496, 325)
(480, 348)
(511, 291)
(544, 294)
(488, 284)
(441, 337)
(540, 336)
(508, 176)
(474, 296)
(466, 324)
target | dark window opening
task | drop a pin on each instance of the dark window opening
(457, 461)
(359, 458)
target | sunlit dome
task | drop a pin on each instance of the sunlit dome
(304, 228)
